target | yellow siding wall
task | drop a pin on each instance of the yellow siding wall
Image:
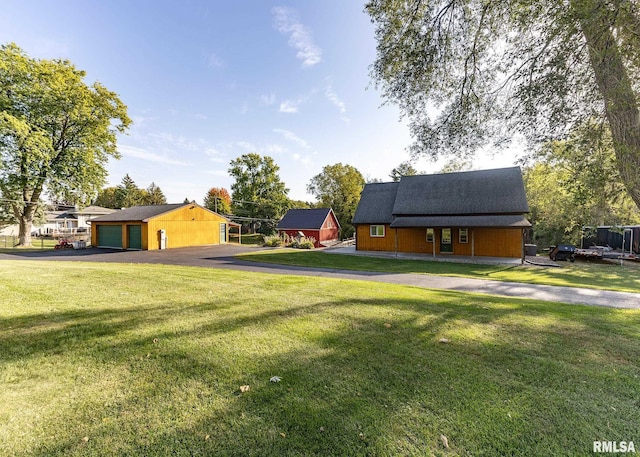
(488, 242)
(365, 242)
(187, 226)
(498, 242)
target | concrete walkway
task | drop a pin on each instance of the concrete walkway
(223, 257)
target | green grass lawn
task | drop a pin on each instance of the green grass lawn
(579, 274)
(114, 359)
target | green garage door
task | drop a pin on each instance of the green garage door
(135, 236)
(110, 236)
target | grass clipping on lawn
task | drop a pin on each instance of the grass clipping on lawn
(113, 359)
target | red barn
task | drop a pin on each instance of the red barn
(320, 223)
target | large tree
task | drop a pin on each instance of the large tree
(56, 133)
(154, 195)
(218, 200)
(466, 72)
(574, 183)
(257, 191)
(404, 169)
(339, 187)
(128, 193)
(108, 198)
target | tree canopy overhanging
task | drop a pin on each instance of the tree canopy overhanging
(56, 133)
(469, 72)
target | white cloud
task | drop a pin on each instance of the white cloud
(268, 99)
(218, 172)
(305, 160)
(213, 61)
(287, 23)
(244, 109)
(275, 149)
(333, 98)
(289, 135)
(246, 145)
(138, 153)
(288, 106)
(215, 155)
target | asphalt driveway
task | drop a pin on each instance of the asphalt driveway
(223, 257)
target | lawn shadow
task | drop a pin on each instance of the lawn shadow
(364, 376)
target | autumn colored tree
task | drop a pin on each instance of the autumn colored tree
(218, 200)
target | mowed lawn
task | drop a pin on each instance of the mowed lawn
(118, 359)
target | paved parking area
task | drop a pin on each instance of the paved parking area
(223, 257)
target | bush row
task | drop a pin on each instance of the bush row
(298, 242)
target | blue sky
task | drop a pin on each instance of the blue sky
(208, 81)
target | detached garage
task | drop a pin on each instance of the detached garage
(160, 227)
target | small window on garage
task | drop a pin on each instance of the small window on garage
(463, 235)
(430, 235)
(377, 230)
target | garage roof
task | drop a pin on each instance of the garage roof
(139, 213)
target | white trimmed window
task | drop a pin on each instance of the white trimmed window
(430, 235)
(376, 231)
(463, 235)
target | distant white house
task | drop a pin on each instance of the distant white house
(62, 222)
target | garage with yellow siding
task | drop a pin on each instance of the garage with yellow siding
(160, 227)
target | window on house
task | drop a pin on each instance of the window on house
(430, 235)
(463, 235)
(376, 230)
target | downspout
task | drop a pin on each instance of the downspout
(433, 244)
(395, 230)
(473, 243)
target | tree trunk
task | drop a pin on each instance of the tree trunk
(621, 104)
(25, 214)
(24, 235)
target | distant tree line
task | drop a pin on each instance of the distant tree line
(128, 194)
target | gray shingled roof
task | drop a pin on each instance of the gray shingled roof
(307, 219)
(484, 198)
(138, 213)
(376, 203)
(509, 220)
(498, 191)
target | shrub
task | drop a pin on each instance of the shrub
(272, 241)
(306, 243)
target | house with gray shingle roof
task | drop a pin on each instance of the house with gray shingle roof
(319, 223)
(472, 213)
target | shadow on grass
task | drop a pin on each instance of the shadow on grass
(359, 377)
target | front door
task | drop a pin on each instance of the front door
(446, 246)
(223, 233)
